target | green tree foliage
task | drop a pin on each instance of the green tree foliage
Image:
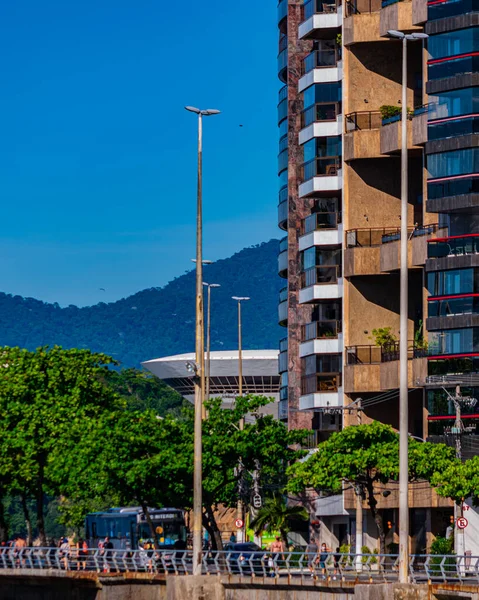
(275, 515)
(159, 321)
(459, 481)
(142, 391)
(364, 456)
(46, 397)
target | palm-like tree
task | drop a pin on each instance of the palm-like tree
(277, 516)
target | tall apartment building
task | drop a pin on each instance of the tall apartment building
(339, 205)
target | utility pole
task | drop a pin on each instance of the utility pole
(359, 508)
(208, 339)
(457, 432)
(240, 513)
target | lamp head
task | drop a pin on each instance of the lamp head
(393, 33)
(193, 109)
(240, 298)
(209, 112)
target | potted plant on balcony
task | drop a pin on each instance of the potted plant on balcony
(385, 339)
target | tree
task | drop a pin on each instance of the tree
(364, 456)
(275, 515)
(46, 397)
(459, 481)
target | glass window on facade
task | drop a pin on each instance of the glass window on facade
(322, 147)
(457, 162)
(322, 92)
(454, 341)
(283, 178)
(454, 103)
(313, 257)
(453, 43)
(455, 281)
(324, 363)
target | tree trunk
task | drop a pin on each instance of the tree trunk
(284, 539)
(211, 527)
(151, 525)
(377, 518)
(3, 523)
(40, 510)
(28, 521)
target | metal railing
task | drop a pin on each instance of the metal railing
(377, 236)
(319, 221)
(453, 246)
(320, 275)
(323, 111)
(373, 355)
(313, 7)
(320, 329)
(292, 566)
(358, 7)
(368, 119)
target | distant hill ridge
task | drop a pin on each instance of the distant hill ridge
(159, 321)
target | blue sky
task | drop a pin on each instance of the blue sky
(98, 156)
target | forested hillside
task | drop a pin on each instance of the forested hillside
(158, 322)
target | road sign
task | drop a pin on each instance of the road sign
(465, 507)
(462, 523)
(257, 501)
(239, 524)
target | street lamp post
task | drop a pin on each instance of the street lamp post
(239, 300)
(199, 351)
(403, 328)
(208, 338)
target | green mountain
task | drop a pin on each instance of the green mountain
(159, 321)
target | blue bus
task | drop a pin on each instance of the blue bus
(128, 528)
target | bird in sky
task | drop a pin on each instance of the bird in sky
(102, 290)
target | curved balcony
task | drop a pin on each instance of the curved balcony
(283, 160)
(321, 283)
(321, 390)
(283, 209)
(283, 104)
(321, 337)
(320, 14)
(283, 59)
(283, 307)
(321, 66)
(282, 13)
(283, 258)
(321, 120)
(321, 229)
(283, 356)
(320, 175)
(283, 405)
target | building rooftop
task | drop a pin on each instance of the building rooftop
(260, 372)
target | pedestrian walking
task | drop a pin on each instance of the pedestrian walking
(312, 555)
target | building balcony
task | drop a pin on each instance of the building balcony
(362, 139)
(321, 120)
(321, 337)
(283, 209)
(319, 15)
(321, 75)
(451, 194)
(419, 12)
(283, 59)
(320, 175)
(283, 356)
(282, 10)
(321, 229)
(377, 250)
(457, 311)
(321, 283)
(391, 138)
(375, 369)
(396, 14)
(321, 390)
(283, 258)
(283, 104)
(362, 21)
(283, 409)
(419, 126)
(283, 307)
